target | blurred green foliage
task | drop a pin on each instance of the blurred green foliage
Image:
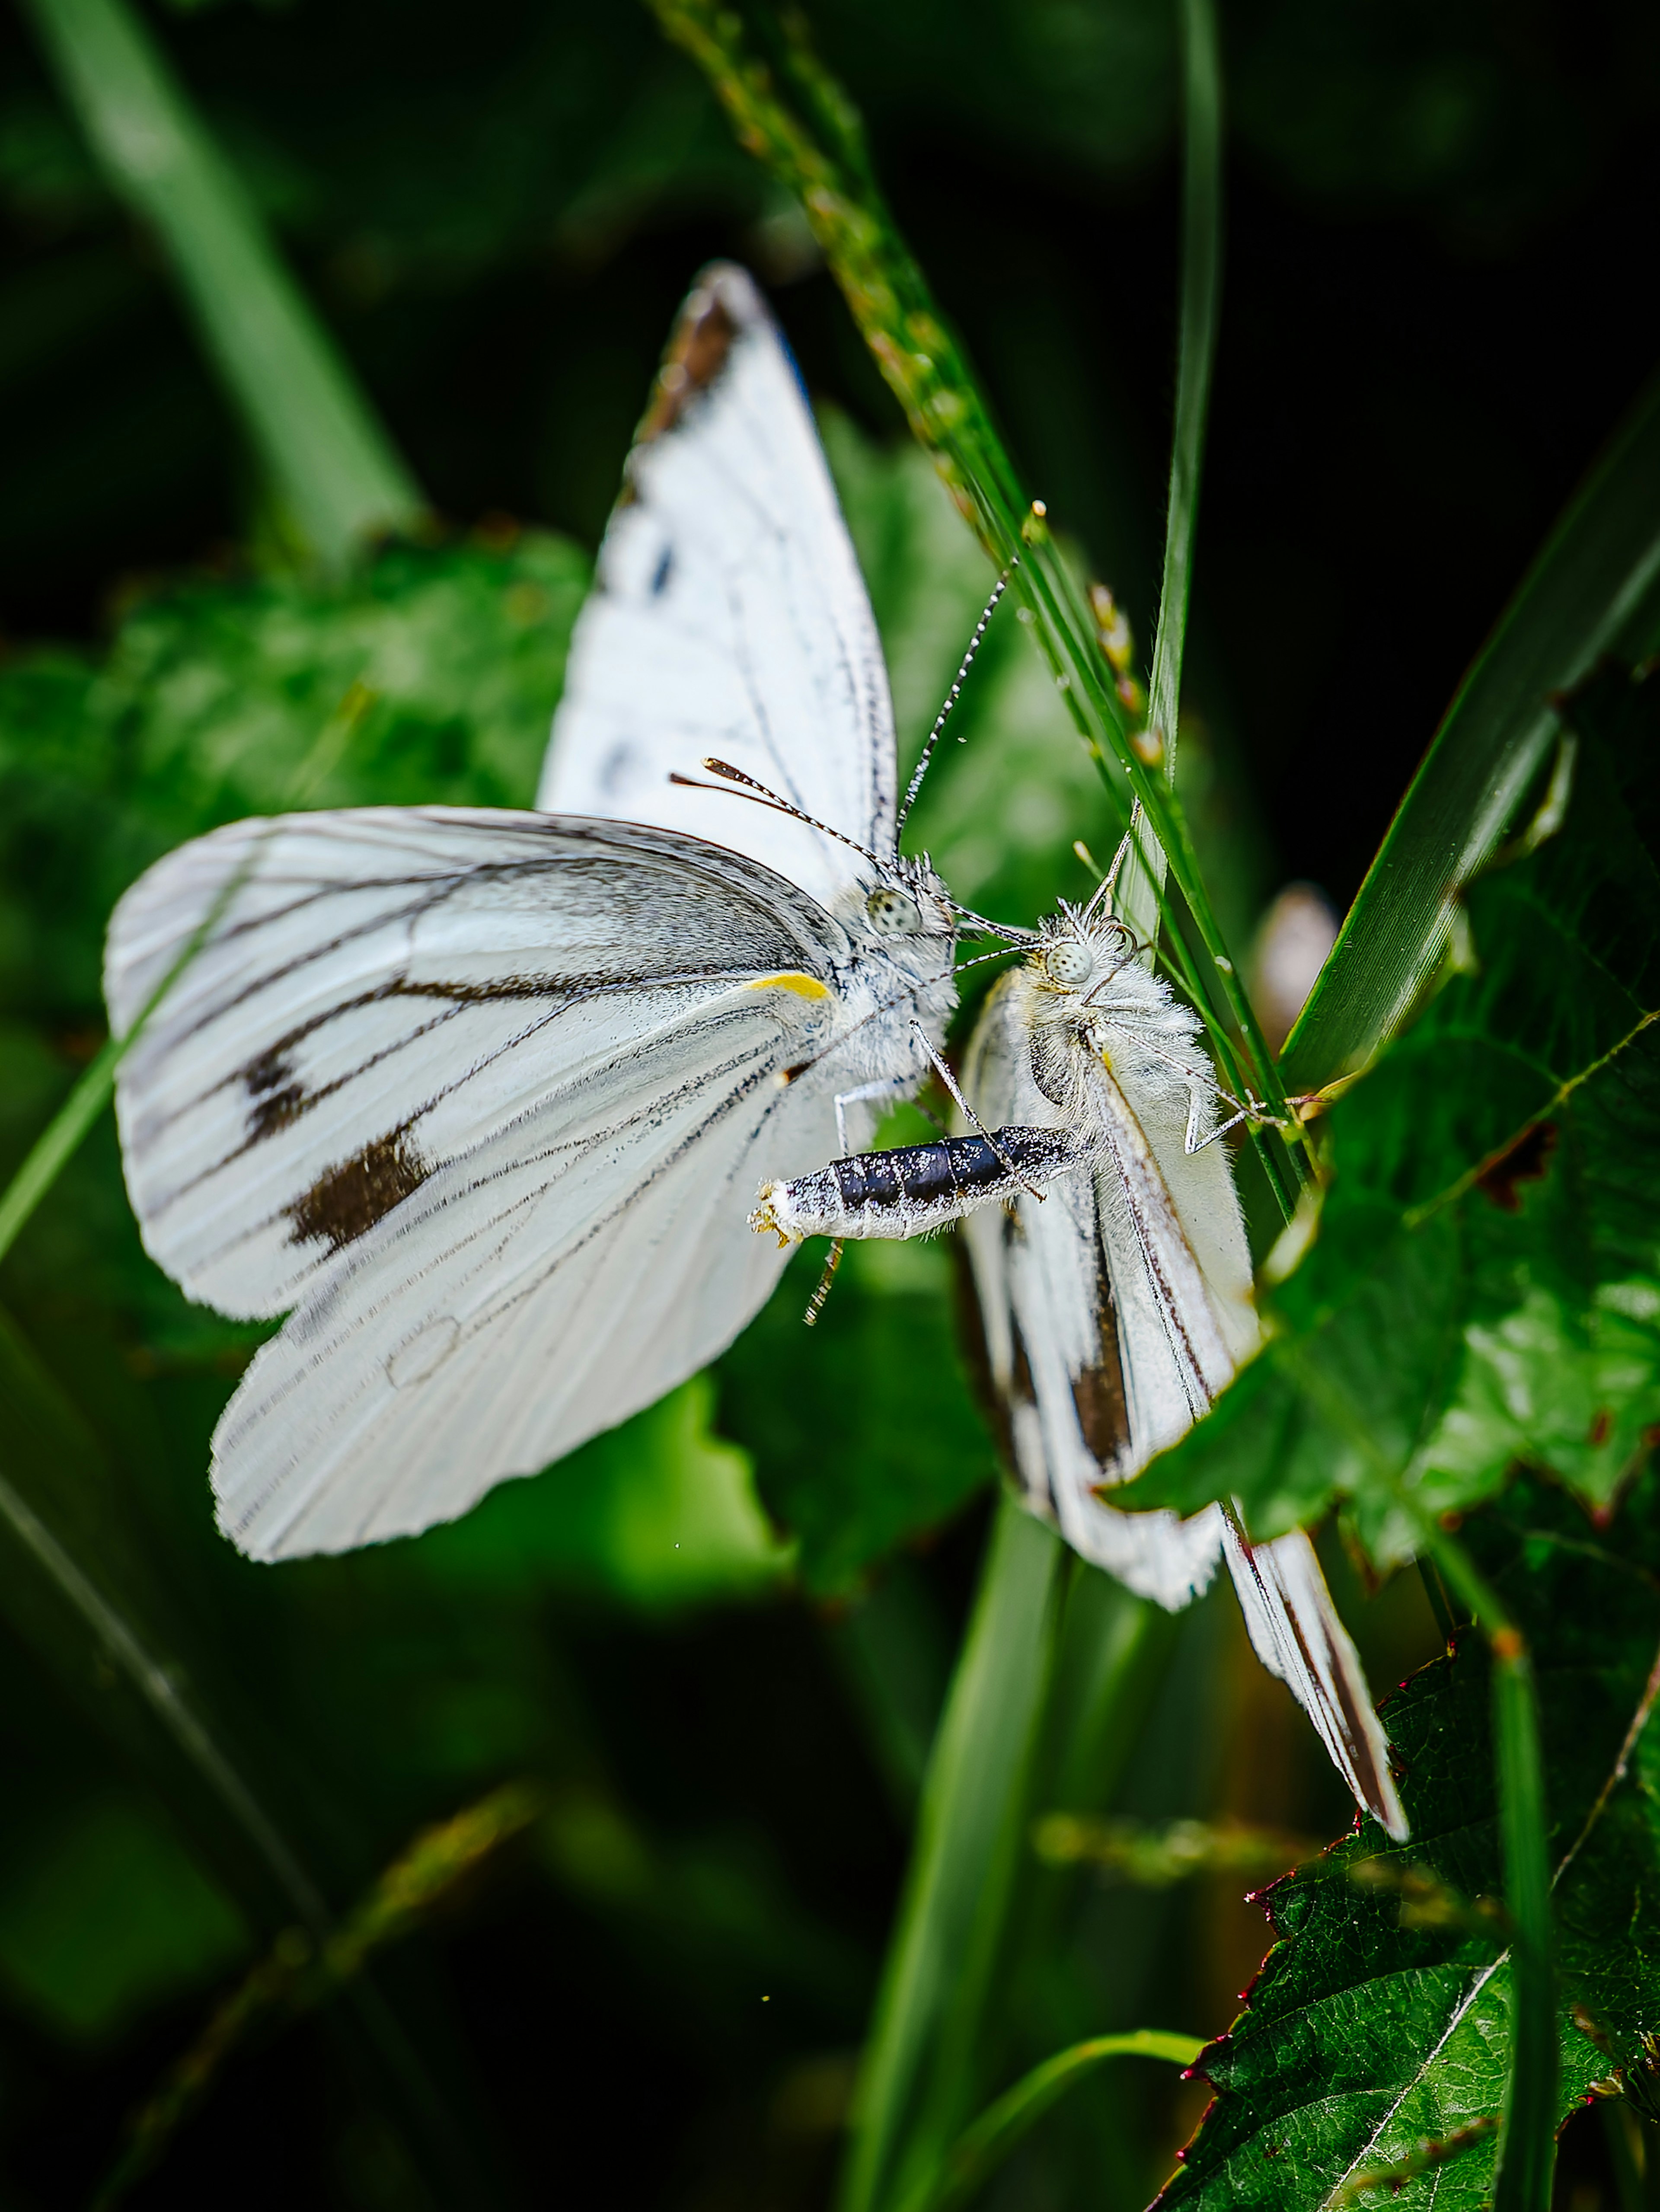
(102, 1913)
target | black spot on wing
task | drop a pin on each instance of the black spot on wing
(346, 1201)
(697, 354)
(275, 1096)
(1098, 1393)
(1098, 1396)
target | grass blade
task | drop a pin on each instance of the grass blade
(157, 1683)
(1201, 286)
(45, 1450)
(1526, 2143)
(328, 455)
(1594, 588)
(913, 2086)
(793, 116)
(55, 1146)
(296, 1976)
(981, 2148)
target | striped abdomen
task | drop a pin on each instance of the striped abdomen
(916, 1188)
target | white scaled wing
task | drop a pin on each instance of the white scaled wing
(728, 617)
(1068, 1398)
(482, 1098)
(1116, 1308)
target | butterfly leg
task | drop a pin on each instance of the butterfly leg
(1193, 1142)
(885, 1087)
(942, 1069)
(1253, 1110)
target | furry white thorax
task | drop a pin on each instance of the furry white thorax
(901, 932)
(1084, 985)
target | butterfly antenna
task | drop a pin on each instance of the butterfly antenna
(978, 924)
(980, 959)
(952, 697)
(1110, 881)
(748, 788)
(815, 1303)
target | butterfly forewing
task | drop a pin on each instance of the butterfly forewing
(468, 1088)
(384, 989)
(729, 619)
(483, 1099)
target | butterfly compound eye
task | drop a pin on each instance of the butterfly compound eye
(891, 914)
(1068, 964)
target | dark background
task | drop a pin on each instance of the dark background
(1438, 305)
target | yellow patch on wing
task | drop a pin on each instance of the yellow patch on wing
(791, 979)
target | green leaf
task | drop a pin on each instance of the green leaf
(428, 679)
(1594, 589)
(329, 457)
(1484, 1280)
(862, 1430)
(102, 1914)
(660, 1512)
(431, 677)
(1370, 2064)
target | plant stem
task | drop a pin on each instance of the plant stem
(983, 2147)
(808, 135)
(1526, 2143)
(1201, 283)
(57, 1143)
(394, 2067)
(328, 455)
(158, 1685)
(914, 2086)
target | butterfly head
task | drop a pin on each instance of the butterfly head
(1077, 953)
(909, 908)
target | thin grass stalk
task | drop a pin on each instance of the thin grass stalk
(1201, 288)
(1000, 2129)
(157, 1683)
(789, 113)
(296, 1976)
(56, 1145)
(908, 2109)
(330, 459)
(1527, 2141)
(392, 2067)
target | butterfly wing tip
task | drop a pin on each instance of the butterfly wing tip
(1390, 1815)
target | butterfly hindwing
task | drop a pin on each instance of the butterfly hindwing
(1115, 1306)
(1054, 1342)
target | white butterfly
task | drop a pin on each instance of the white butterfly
(1114, 1284)
(478, 1098)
